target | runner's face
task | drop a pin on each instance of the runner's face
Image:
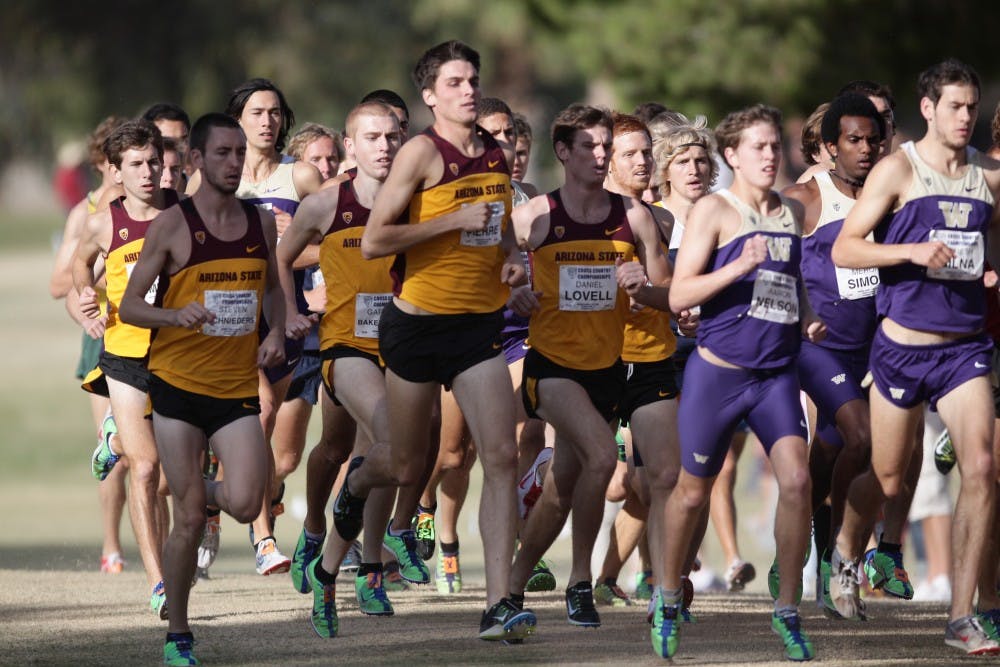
(884, 110)
(322, 154)
(522, 151)
(140, 172)
(261, 120)
(222, 163)
(175, 129)
(757, 157)
(455, 95)
(953, 118)
(501, 128)
(172, 170)
(689, 173)
(375, 143)
(586, 160)
(858, 147)
(631, 163)
(404, 123)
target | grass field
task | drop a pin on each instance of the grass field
(56, 609)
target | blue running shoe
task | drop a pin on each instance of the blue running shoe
(665, 629)
(324, 612)
(506, 622)
(104, 458)
(305, 552)
(797, 644)
(404, 548)
(179, 650)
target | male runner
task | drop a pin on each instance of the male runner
(929, 205)
(214, 256)
(134, 151)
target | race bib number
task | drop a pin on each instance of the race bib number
(967, 264)
(235, 312)
(856, 284)
(775, 297)
(587, 288)
(367, 312)
(151, 292)
(490, 236)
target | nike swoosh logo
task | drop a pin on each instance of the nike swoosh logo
(663, 394)
(292, 362)
(981, 365)
(970, 189)
(249, 407)
(612, 232)
(492, 163)
(496, 346)
(252, 248)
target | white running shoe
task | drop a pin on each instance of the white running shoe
(529, 488)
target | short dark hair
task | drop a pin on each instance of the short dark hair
(95, 143)
(849, 104)
(425, 73)
(578, 117)
(386, 96)
(204, 125)
(646, 111)
(131, 134)
(171, 145)
(728, 132)
(522, 129)
(952, 71)
(489, 106)
(869, 89)
(238, 100)
(167, 111)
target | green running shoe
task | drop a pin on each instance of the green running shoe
(372, 599)
(158, 601)
(324, 611)
(392, 582)
(103, 461)
(644, 585)
(665, 629)
(305, 552)
(611, 595)
(541, 578)
(825, 572)
(404, 548)
(884, 570)
(179, 651)
(449, 574)
(797, 644)
(944, 453)
(774, 583)
(423, 525)
(990, 620)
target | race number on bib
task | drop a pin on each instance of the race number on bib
(587, 288)
(151, 292)
(775, 297)
(491, 235)
(235, 312)
(367, 312)
(967, 264)
(856, 283)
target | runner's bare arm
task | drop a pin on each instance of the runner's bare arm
(93, 242)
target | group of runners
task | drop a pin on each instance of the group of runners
(441, 301)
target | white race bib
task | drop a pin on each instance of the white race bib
(587, 288)
(491, 235)
(857, 283)
(967, 264)
(775, 297)
(235, 312)
(367, 312)
(151, 292)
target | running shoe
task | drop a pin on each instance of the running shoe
(665, 628)
(580, 609)
(797, 644)
(404, 548)
(179, 651)
(644, 585)
(113, 563)
(505, 622)
(944, 453)
(423, 525)
(104, 458)
(392, 581)
(541, 579)
(529, 487)
(209, 547)
(884, 570)
(449, 574)
(269, 559)
(305, 552)
(738, 575)
(349, 510)
(967, 633)
(158, 601)
(990, 620)
(845, 589)
(611, 595)
(774, 583)
(324, 611)
(352, 560)
(372, 599)
(825, 601)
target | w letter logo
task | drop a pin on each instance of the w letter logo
(956, 214)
